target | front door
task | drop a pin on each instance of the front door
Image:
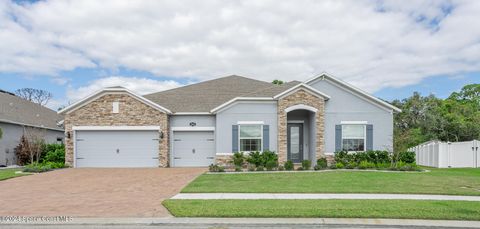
(295, 142)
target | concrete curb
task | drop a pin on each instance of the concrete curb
(318, 196)
(261, 221)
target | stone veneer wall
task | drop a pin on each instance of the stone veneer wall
(300, 97)
(132, 113)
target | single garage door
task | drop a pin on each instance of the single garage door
(117, 148)
(193, 148)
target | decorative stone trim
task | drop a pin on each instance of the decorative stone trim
(301, 97)
(131, 113)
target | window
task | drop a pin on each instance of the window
(115, 107)
(250, 138)
(353, 137)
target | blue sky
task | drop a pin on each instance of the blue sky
(388, 48)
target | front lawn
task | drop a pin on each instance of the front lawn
(400, 209)
(438, 181)
(10, 173)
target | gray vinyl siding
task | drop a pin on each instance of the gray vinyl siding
(185, 120)
(345, 106)
(251, 111)
(11, 138)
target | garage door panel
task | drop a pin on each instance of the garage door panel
(99, 148)
(193, 149)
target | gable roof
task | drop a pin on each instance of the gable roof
(205, 96)
(16, 110)
(108, 90)
(357, 91)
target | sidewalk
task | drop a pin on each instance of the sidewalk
(272, 222)
(318, 196)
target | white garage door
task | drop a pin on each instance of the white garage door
(193, 148)
(117, 148)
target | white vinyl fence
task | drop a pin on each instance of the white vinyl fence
(448, 154)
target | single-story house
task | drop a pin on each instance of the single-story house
(18, 117)
(203, 123)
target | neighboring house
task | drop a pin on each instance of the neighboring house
(19, 116)
(204, 123)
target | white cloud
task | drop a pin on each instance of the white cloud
(373, 44)
(141, 86)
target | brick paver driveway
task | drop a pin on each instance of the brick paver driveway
(94, 192)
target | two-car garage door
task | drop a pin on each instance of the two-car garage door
(139, 148)
(116, 148)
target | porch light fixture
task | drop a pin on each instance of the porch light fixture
(161, 134)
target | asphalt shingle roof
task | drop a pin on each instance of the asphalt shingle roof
(18, 110)
(204, 96)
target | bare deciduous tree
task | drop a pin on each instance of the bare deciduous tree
(35, 138)
(34, 95)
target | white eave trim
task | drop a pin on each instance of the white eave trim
(305, 86)
(116, 128)
(301, 107)
(31, 125)
(327, 76)
(192, 113)
(250, 122)
(214, 110)
(193, 128)
(354, 122)
(97, 94)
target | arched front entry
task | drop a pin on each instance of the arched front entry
(300, 127)
(301, 133)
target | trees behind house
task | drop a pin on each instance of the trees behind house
(425, 118)
(34, 95)
(278, 82)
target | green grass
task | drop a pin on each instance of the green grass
(438, 181)
(400, 209)
(10, 173)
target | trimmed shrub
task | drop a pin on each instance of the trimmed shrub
(37, 168)
(366, 165)
(58, 156)
(288, 165)
(300, 168)
(281, 168)
(306, 164)
(407, 157)
(238, 168)
(260, 168)
(268, 156)
(384, 165)
(238, 159)
(351, 165)
(251, 168)
(270, 165)
(255, 158)
(322, 163)
(43, 167)
(339, 165)
(216, 168)
(261, 159)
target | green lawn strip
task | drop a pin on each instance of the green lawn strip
(399, 209)
(10, 173)
(438, 181)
